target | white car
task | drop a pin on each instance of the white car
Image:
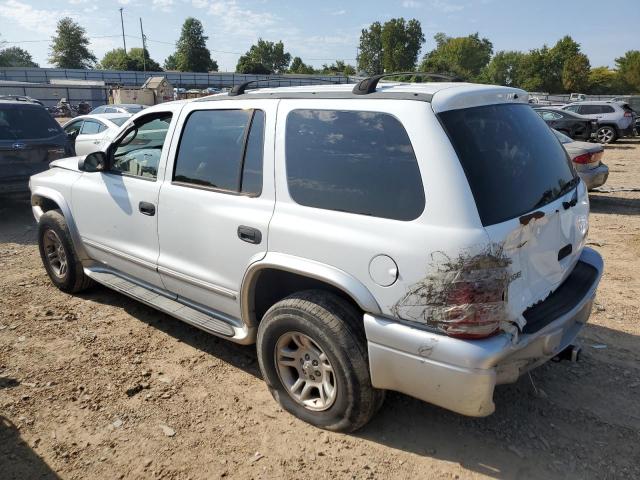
(425, 238)
(92, 132)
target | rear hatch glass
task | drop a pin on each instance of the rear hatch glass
(21, 122)
(528, 195)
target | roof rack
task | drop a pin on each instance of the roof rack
(368, 85)
(241, 89)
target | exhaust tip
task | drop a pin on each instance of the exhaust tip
(571, 353)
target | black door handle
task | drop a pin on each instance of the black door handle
(249, 234)
(147, 208)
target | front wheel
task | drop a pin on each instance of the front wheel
(313, 356)
(606, 134)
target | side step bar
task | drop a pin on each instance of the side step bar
(207, 322)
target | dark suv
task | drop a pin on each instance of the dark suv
(29, 139)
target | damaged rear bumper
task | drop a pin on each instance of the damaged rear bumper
(460, 375)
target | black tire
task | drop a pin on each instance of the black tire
(607, 134)
(73, 279)
(336, 327)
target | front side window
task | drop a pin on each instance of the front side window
(222, 149)
(74, 127)
(353, 161)
(551, 116)
(573, 108)
(138, 153)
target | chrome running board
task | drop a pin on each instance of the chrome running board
(165, 302)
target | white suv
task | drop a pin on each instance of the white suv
(424, 238)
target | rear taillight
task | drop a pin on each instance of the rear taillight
(627, 114)
(585, 158)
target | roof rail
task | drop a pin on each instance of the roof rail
(241, 88)
(368, 85)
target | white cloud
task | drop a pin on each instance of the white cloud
(338, 12)
(124, 2)
(238, 20)
(411, 4)
(163, 5)
(199, 3)
(446, 6)
(78, 2)
(29, 18)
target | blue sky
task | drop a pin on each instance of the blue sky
(322, 31)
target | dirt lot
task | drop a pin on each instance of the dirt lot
(99, 386)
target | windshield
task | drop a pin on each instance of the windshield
(512, 160)
(22, 122)
(119, 120)
(562, 137)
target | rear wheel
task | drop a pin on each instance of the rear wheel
(313, 356)
(58, 255)
(606, 134)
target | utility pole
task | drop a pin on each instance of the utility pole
(144, 48)
(124, 42)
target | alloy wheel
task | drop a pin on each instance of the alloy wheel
(605, 134)
(56, 256)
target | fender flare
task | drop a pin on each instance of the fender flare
(308, 268)
(58, 198)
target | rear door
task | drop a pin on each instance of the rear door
(90, 137)
(216, 203)
(529, 198)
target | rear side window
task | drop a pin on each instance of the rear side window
(91, 127)
(353, 161)
(26, 122)
(512, 160)
(222, 149)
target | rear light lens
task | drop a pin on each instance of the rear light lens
(627, 114)
(585, 158)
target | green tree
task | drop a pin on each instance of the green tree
(562, 52)
(463, 56)
(16, 57)
(604, 81)
(298, 66)
(192, 54)
(370, 50)
(140, 60)
(264, 58)
(117, 59)
(629, 71)
(401, 42)
(505, 68)
(534, 70)
(338, 68)
(70, 46)
(575, 73)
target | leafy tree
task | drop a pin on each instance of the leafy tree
(562, 52)
(401, 42)
(16, 57)
(264, 58)
(370, 50)
(603, 81)
(70, 46)
(505, 68)
(534, 70)
(171, 62)
(575, 73)
(298, 66)
(117, 59)
(629, 70)
(338, 68)
(463, 56)
(192, 54)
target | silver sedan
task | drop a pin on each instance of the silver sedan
(587, 158)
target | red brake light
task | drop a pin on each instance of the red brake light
(627, 114)
(584, 158)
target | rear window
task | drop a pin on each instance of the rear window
(354, 162)
(119, 120)
(19, 122)
(512, 160)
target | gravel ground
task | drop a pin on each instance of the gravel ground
(99, 386)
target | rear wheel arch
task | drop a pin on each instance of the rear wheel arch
(266, 283)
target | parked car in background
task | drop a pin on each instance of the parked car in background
(90, 132)
(571, 124)
(21, 98)
(131, 108)
(634, 102)
(30, 138)
(587, 159)
(265, 216)
(615, 120)
(577, 97)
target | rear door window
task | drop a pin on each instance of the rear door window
(223, 150)
(590, 109)
(512, 160)
(353, 161)
(90, 127)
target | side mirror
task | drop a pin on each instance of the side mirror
(94, 162)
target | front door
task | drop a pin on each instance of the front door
(116, 210)
(215, 203)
